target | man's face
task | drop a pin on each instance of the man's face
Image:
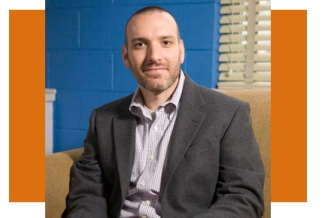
(153, 52)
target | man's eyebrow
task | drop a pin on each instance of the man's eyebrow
(143, 39)
(168, 37)
(138, 39)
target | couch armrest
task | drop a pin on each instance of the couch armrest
(260, 103)
(57, 180)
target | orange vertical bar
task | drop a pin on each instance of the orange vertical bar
(289, 106)
(26, 106)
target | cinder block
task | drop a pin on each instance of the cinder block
(81, 69)
(123, 78)
(67, 109)
(66, 139)
(61, 28)
(202, 67)
(197, 24)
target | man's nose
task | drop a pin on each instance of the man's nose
(154, 53)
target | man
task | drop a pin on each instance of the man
(173, 148)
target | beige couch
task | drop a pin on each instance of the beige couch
(58, 164)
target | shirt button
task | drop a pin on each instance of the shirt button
(143, 183)
(143, 216)
(148, 202)
(152, 157)
(155, 128)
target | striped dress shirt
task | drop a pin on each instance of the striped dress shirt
(153, 132)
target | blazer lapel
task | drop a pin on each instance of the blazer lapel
(124, 140)
(189, 119)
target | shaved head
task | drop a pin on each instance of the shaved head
(148, 9)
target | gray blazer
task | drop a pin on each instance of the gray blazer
(214, 168)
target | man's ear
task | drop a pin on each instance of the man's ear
(182, 50)
(125, 56)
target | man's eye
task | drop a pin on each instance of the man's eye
(166, 42)
(139, 44)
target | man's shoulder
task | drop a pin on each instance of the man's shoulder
(116, 105)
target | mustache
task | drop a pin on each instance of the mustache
(154, 64)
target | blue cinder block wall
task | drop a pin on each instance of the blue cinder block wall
(84, 39)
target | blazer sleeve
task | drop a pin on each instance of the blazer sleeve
(86, 196)
(239, 191)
